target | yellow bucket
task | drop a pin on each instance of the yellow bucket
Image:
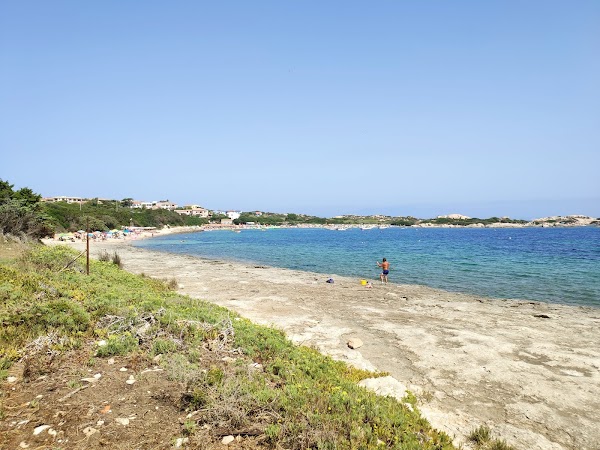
(363, 282)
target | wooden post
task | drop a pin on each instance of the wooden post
(87, 242)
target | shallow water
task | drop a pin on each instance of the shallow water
(557, 265)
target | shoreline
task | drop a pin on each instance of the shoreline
(529, 370)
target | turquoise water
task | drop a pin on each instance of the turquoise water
(556, 265)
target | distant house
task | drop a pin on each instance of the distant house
(234, 214)
(164, 204)
(226, 221)
(63, 199)
(258, 213)
(453, 216)
(138, 204)
(194, 211)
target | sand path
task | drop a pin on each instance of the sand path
(529, 370)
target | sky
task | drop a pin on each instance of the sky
(401, 108)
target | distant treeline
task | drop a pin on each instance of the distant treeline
(23, 214)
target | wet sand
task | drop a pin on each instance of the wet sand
(528, 370)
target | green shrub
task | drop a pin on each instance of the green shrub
(163, 346)
(480, 435)
(118, 345)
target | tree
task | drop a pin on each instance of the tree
(21, 214)
(127, 202)
(6, 190)
(27, 196)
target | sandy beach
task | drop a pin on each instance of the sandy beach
(528, 370)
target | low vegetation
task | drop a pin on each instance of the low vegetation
(481, 437)
(234, 377)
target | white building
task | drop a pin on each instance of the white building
(234, 214)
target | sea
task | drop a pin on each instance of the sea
(554, 265)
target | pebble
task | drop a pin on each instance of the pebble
(227, 440)
(131, 380)
(101, 343)
(11, 379)
(23, 444)
(111, 361)
(52, 432)
(88, 431)
(355, 343)
(100, 423)
(180, 441)
(123, 369)
(89, 380)
(122, 420)
(40, 429)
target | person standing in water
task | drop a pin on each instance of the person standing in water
(385, 270)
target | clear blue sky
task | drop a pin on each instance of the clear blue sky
(320, 107)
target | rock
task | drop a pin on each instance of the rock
(131, 380)
(101, 343)
(111, 361)
(23, 444)
(180, 441)
(123, 369)
(90, 380)
(11, 379)
(228, 359)
(255, 366)
(227, 440)
(409, 407)
(386, 386)
(355, 343)
(122, 420)
(98, 376)
(100, 423)
(88, 431)
(40, 429)
(52, 432)
(105, 410)
(157, 358)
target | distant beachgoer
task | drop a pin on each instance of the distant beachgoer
(385, 270)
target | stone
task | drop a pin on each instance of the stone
(11, 379)
(227, 440)
(180, 441)
(122, 420)
(385, 386)
(355, 343)
(90, 380)
(131, 380)
(40, 429)
(88, 431)
(111, 361)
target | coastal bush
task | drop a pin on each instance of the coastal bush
(480, 435)
(118, 345)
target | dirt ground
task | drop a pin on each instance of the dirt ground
(528, 370)
(92, 403)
